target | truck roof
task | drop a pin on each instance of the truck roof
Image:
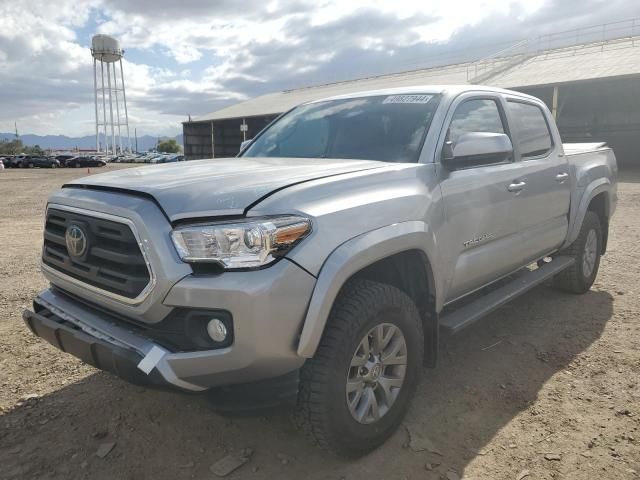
(434, 89)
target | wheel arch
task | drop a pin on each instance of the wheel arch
(400, 255)
(596, 198)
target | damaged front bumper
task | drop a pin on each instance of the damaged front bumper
(58, 319)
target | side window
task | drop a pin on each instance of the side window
(481, 115)
(531, 129)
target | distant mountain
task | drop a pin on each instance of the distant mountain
(62, 142)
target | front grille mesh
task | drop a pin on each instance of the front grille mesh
(113, 261)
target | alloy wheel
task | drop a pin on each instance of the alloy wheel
(376, 373)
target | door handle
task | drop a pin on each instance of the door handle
(516, 186)
(561, 177)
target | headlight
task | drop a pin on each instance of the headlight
(242, 244)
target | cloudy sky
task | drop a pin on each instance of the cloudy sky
(196, 56)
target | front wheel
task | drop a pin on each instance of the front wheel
(356, 390)
(586, 250)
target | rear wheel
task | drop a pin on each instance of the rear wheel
(586, 250)
(356, 390)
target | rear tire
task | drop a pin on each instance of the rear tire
(586, 250)
(357, 388)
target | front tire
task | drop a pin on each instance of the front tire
(586, 250)
(357, 388)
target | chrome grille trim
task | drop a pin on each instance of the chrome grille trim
(92, 288)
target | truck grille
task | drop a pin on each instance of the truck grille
(112, 260)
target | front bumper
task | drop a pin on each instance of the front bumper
(118, 360)
(268, 308)
(124, 363)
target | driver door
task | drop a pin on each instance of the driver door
(479, 236)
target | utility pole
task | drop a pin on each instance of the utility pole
(135, 132)
(15, 124)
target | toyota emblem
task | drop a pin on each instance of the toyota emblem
(76, 241)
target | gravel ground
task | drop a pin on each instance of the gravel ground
(548, 387)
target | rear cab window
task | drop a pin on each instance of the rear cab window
(532, 133)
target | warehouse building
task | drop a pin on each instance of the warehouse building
(589, 78)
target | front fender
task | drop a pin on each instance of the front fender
(351, 257)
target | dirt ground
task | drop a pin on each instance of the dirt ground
(549, 375)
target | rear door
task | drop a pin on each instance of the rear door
(542, 206)
(479, 238)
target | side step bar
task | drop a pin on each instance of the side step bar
(470, 313)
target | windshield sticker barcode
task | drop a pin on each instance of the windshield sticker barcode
(408, 99)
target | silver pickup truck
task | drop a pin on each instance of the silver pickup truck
(323, 262)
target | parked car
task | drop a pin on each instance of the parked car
(41, 162)
(16, 161)
(78, 162)
(30, 161)
(155, 158)
(317, 265)
(63, 159)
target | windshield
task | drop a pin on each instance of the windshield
(389, 128)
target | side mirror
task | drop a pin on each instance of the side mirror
(245, 144)
(477, 148)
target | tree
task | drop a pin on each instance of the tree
(14, 147)
(168, 146)
(35, 151)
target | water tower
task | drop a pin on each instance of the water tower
(106, 51)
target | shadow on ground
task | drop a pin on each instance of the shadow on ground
(487, 375)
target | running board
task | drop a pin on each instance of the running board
(474, 311)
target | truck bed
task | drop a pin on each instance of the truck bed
(577, 148)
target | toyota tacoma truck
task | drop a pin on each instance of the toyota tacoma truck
(323, 262)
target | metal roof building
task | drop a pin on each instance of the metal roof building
(589, 78)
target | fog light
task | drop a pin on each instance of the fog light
(217, 330)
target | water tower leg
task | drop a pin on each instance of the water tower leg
(95, 98)
(124, 100)
(113, 132)
(104, 110)
(115, 91)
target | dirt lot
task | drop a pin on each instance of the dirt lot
(550, 375)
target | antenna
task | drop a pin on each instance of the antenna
(106, 51)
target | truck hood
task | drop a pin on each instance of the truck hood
(208, 188)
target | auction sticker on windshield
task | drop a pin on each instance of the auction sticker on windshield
(408, 99)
